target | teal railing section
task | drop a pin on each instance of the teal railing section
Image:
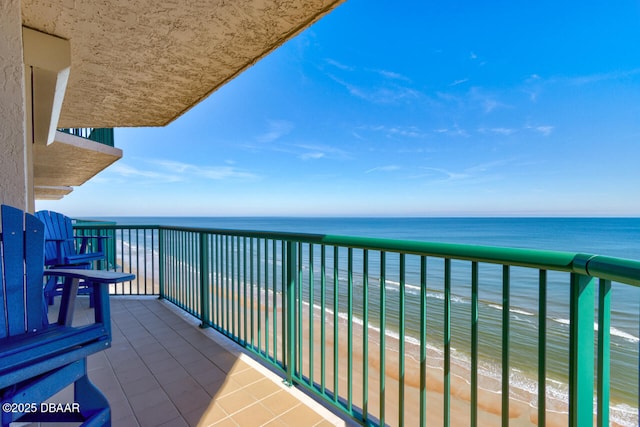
(409, 333)
(101, 135)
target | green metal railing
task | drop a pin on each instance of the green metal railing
(372, 327)
(101, 135)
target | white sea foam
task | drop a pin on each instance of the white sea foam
(613, 331)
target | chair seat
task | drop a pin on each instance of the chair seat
(35, 353)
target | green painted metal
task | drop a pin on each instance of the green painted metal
(290, 341)
(506, 307)
(581, 350)
(311, 314)
(604, 343)
(231, 280)
(447, 344)
(205, 296)
(101, 135)
(365, 335)
(423, 340)
(542, 348)
(383, 333)
(350, 331)
(336, 329)
(323, 312)
(474, 344)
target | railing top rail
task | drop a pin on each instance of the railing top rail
(610, 268)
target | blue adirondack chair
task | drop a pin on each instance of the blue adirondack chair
(64, 250)
(38, 359)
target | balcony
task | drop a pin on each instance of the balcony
(402, 332)
(74, 157)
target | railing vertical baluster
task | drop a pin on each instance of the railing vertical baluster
(234, 296)
(266, 298)
(542, 349)
(474, 343)
(238, 286)
(350, 330)
(205, 295)
(604, 343)
(336, 335)
(137, 262)
(365, 334)
(161, 263)
(401, 349)
(323, 307)
(290, 343)
(383, 332)
(258, 292)
(216, 278)
(299, 341)
(581, 351)
(252, 285)
(245, 337)
(423, 340)
(274, 295)
(153, 262)
(144, 238)
(506, 307)
(311, 315)
(447, 343)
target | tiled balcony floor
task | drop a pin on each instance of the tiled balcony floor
(162, 370)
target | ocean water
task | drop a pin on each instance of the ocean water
(618, 237)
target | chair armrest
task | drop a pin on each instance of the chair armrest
(93, 276)
(99, 280)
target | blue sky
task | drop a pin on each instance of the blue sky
(405, 109)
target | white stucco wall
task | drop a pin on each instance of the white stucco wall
(13, 156)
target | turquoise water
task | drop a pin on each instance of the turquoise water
(618, 237)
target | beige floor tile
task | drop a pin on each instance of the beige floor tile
(280, 402)
(253, 416)
(301, 415)
(235, 402)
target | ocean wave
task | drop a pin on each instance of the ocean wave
(613, 331)
(513, 310)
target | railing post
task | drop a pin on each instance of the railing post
(160, 263)
(581, 342)
(289, 341)
(205, 295)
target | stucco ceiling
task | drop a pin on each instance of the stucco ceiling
(145, 62)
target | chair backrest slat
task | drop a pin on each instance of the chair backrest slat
(3, 307)
(22, 265)
(60, 228)
(13, 258)
(34, 266)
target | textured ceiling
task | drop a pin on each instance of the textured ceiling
(145, 62)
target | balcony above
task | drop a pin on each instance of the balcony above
(71, 160)
(146, 62)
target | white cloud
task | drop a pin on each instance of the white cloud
(189, 171)
(544, 130)
(311, 155)
(388, 168)
(339, 65)
(391, 131)
(456, 131)
(127, 171)
(276, 130)
(458, 82)
(498, 131)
